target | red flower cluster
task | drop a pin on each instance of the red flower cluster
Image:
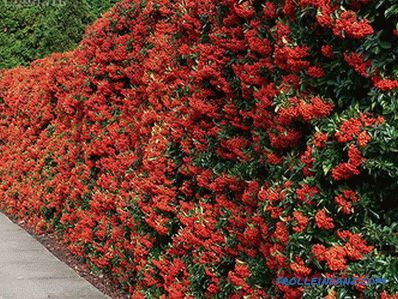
(355, 128)
(316, 72)
(306, 193)
(385, 295)
(320, 139)
(306, 110)
(358, 62)
(327, 51)
(348, 25)
(346, 170)
(345, 26)
(344, 201)
(322, 221)
(385, 84)
(336, 257)
(302, 221)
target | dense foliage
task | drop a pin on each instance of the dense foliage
(200, 149)
(34, 29)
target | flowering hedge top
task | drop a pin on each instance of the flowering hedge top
(200, 149)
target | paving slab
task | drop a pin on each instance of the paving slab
(29, 271)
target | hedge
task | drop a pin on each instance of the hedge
(201, 149)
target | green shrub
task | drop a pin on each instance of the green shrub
(29, 32)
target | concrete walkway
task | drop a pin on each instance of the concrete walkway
(29, 271)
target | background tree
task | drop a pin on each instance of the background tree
(32, 31)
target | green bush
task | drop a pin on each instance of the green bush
(29, 32)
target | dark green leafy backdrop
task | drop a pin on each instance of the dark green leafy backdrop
(29, 32)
